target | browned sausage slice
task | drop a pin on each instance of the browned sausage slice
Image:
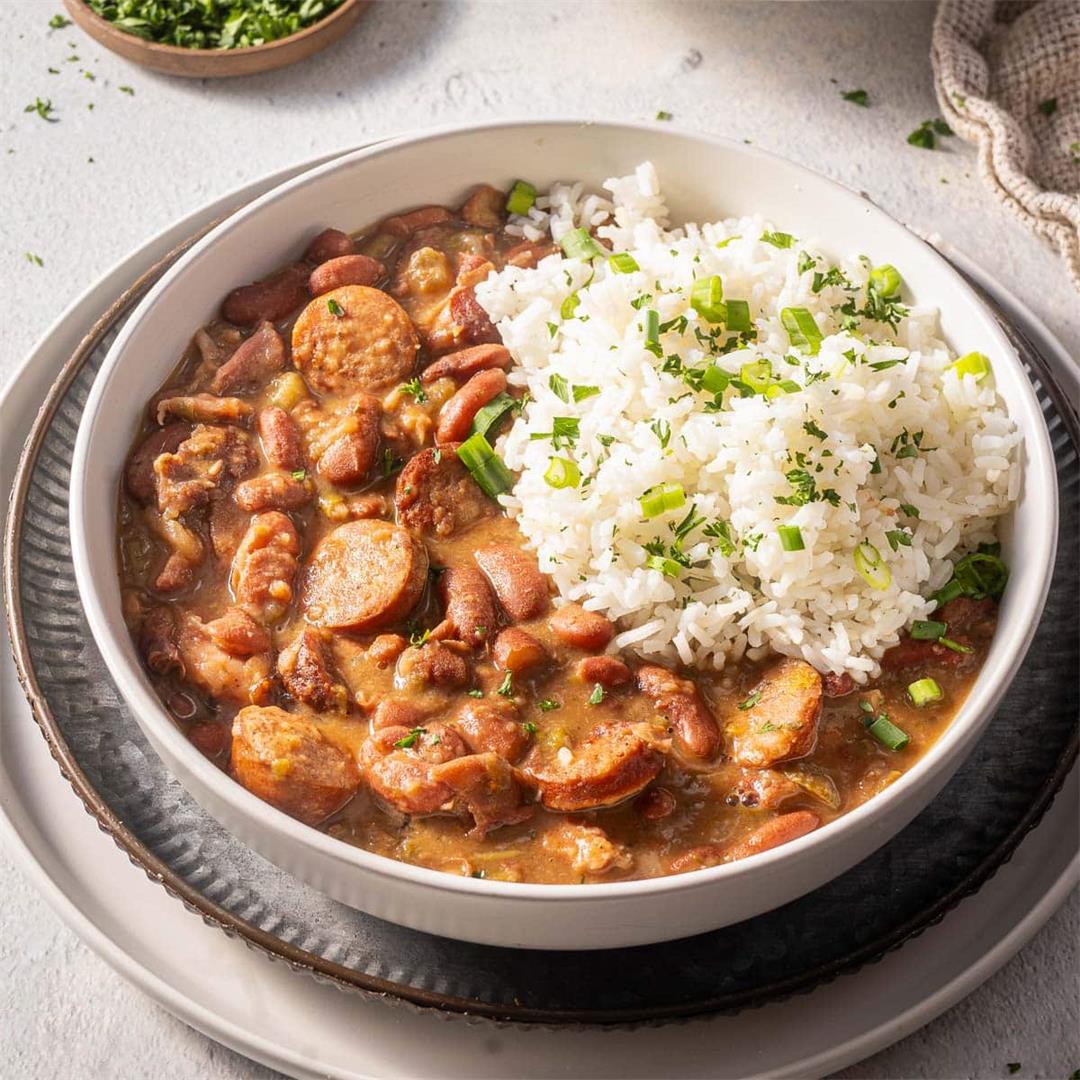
(680, 703)
(269, 300)
(468, 604)
(329, 244)
(398, 763)
(521, 588)
(465, 363)
(288, 762)
(354, 338)
(588, 630)
(612, 764)
(345, 270)
(273, 491)
(253, 362)
(778, 721)
(588, 849)
(264, 567)
(307, 673)
(483, 787)
(281, 440)
(436, 494)
(139, 475)
(457, 415)
(363, 575)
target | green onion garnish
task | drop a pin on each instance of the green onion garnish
(975, 576)
(667, 567)
(715, 379)
(784, 386)
(888, 734)
(335, 308)
(885, 280)
(489, 416)
(738, 316)
(578, 244)
(562, 473)
(872, 568)
(973, 363)
(927, 629)
(924, 692)
(954, 645)
(660, 498)
(801, 328)
(652, 332)
(790, 537)
(521, 198)
(623, 263)
(707, 298)
(486, 467)
(757, 375)
(569, 306)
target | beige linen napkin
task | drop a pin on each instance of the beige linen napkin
(1007, 77)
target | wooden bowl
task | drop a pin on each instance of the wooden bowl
(218, 63)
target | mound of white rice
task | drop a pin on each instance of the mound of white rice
(874, 439)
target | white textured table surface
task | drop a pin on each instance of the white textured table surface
(81, 192)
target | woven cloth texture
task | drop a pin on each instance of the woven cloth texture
(1007, 77)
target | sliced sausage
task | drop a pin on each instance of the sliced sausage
(415, 220)
(255, 360)
(614, 763)
(587, 848)
(588, 630)
(364, 575)
(269, 300)
(608, 671)
(517, 651)
(465, 363)
(491, 725)
(457, 415)
(281, 442)
(485, 208)
(307, 673)
(483, 787)
(273, 491)
(329, 244)
(345, 270)
(288, 762)
(139, 475)
(433, 664)
(468, 604)
(761, 789)
(778, 720)
(521, 588)
(349, 458)
(398, 763)
(354, 338)
(680, 703)
(436, 494)
(265, 565)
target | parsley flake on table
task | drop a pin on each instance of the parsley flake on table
(663, 114)
(857, 97)
(35, 260)
(44, 109)
(126, 90)
(925, 135)
(58, 22)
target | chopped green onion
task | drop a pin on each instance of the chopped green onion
(489, 416)
(791, 537)
(597, 694)
(569, 306)
(623, 263)
(578, 244)
(562, 473)
(335, 308)
(667, 567)
(924, 692)
(707, 298)
(738, 316)
(954, 645)
(975, 576)
(885, 280)
(872, 568)
(973, 363)
(801, 328)
(757, 375)
(927, 629)
(660, 498)
(888, 734)
(715, 379)
(784, 386)
(486, 467)
(521, 198)
(652, 332)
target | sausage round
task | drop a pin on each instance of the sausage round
(436, 494)
(287, 761)
(364, 575)
(370, 342)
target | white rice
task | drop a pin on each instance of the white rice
(732, 463)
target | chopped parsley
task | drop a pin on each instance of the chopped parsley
(751, 701)
(805, 490)
(406, 742)
(898, 538)
(335, 308)
(130, 91)
(36, 260)
(58, 22)
(565, 431)
(662, 430)
(663, 114)
(924, 136)
(812, 429)
(581, 393)
(597, 694)
(506, 687)
(299, 474)
(720, 531)
(548, 704)
(412, 387)
(529, 727)
(44, 109)
(911, 511)
(777, 239)
(419, 637)
(857, 97)
(475, 693)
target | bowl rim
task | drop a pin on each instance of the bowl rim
(106, 26)
(955, 742)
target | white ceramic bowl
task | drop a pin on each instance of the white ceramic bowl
(703, 178)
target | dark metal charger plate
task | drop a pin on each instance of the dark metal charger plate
(947, 853)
